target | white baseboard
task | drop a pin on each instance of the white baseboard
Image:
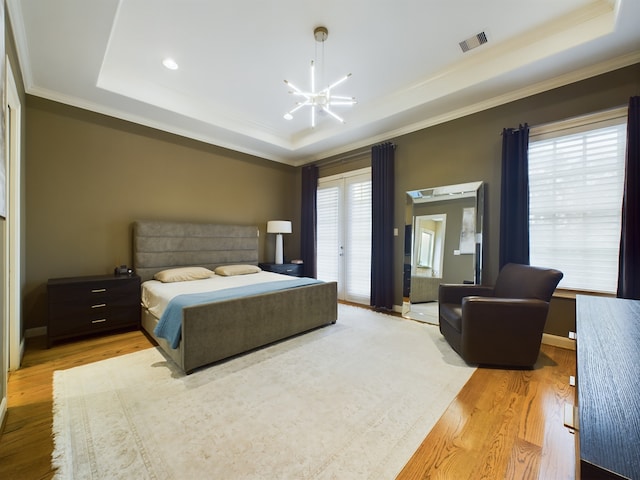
(558, 341)
(35, 332)
(547, 338)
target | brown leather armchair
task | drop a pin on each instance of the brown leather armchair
(499, 325)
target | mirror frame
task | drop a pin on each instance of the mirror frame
(440, 194)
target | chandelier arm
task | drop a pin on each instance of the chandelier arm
(298, 107)
(313, 77)
(344, 97)
(336, 83)
(297, 91)
(340, 119)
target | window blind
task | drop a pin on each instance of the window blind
(575, 198)
(328, 227)
(358, 239)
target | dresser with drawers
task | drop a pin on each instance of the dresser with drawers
(608, 391)
(94, 304)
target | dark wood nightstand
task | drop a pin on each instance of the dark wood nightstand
(293, 269)
(95, 304)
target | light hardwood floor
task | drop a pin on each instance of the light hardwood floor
(504, 424)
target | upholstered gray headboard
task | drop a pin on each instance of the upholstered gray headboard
(161, 245)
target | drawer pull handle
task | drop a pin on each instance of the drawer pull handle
(99, 305)
(99, 321)
(98, 290)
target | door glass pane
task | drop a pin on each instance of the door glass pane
(358, 241)
(328, 246)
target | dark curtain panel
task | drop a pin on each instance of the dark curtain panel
(514, 197)
(629, 263)
(382, 181)
(309, 220)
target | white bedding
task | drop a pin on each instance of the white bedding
(156, 295)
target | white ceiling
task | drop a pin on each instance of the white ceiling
(408, 71)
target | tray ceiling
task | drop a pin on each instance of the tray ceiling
(408, 69)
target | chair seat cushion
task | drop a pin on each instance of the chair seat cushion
(452, 314)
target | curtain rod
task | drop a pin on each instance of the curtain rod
(343, 158)
(612, 112)
(353, 154)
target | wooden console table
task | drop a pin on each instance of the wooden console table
(608, 382)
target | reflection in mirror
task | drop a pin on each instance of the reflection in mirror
(429, 236)
(443, 244)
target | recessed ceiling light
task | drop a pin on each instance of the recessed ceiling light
(170, 63)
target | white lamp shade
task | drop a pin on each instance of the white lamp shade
(278, 226)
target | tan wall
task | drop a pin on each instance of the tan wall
(90, 176)
(469, 149)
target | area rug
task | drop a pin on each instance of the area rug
(348, 401)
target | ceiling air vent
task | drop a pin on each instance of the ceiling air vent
(473, 42)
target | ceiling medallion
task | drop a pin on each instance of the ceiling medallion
(323, 100)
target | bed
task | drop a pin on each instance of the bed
(216, 330)
(424, 289)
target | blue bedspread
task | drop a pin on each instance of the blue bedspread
(170, 325)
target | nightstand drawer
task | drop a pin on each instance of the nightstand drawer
(293, 269)
(89, 292)
(70, 312)
(86, 305)
(97, 320)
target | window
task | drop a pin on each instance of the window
(425, 257)
(576, 177)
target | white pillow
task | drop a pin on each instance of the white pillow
(183, 274)
(230, 270)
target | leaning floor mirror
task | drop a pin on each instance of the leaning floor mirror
(443, 244)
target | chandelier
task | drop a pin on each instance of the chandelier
(322, 100)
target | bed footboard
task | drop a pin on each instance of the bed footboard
(219, 330)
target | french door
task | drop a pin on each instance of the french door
(344, 233)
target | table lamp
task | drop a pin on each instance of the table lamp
(279, 227)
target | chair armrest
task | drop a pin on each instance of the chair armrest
(495, 314)
(454, 293)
